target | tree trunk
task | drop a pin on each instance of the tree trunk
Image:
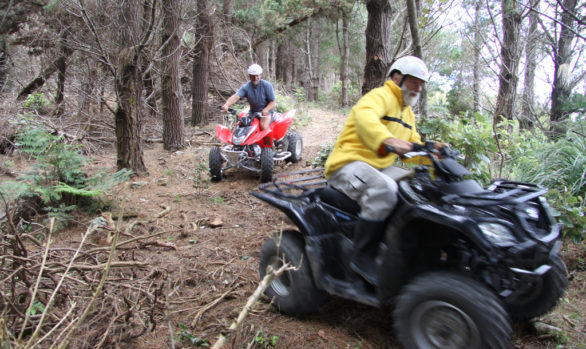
(476, 66)
(227, 12)
(345, 55)
(417, 50)
(528, 101)
(173, 138)
(40, 80)
(562, 74)
(309, 60)
(378, 41)
(128, 116)
(510, 55)
(61, 64)
(3, 65)
(316, 80)
(202, 50)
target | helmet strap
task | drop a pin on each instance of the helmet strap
(403, 80)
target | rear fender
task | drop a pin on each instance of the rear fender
(224, 134)
(293, 210)
(282, 123)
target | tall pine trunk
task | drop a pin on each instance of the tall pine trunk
(173, 138)
(204, 39)
(378, 41)
(128, 116)
(528, 99)
(563, 55)
(510, 55)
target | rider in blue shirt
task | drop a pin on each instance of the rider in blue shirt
(260, 95)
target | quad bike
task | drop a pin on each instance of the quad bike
(247, 146)
(457, 260)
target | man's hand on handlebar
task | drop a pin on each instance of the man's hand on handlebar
(399, 146)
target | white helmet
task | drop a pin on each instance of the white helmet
(254, 69)
(410, 65)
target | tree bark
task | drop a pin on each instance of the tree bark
(173, 126)
(61, 70)
(417, 50)
(378, 42)
(204, 39)
(562, 72)
(510, 55)
(3, 63)
(476, 65)
(128, 116)
(528, 99)
(309, 60)
(345, 54)
(40, 80)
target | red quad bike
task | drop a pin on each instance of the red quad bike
(246, 146)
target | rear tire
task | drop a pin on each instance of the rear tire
(295, 146)
(544, 295)
(294, 292)
(215, 163)
(447, 310)
(267, 165)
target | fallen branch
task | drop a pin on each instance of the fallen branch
(266, 281)
(209, 306)
(164, 212)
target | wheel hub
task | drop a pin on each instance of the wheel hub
(438, 324)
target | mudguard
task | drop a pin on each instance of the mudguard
(282, 123)
(224, 134)
(393, 271)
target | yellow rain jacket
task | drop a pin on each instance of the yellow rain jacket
(378, 115)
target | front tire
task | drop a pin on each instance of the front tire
(544, 294)
(294, 292)
(215, 163)
(295, 146)
(447, 310)
(267, 165)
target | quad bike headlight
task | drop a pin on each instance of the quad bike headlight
(498, 234)
(238, 139)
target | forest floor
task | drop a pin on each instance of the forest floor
(211, 236)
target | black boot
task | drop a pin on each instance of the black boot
(367, 235)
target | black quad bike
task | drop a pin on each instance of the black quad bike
(457, 260)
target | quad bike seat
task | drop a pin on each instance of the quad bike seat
(336, 198)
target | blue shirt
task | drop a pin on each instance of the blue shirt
(258, 96)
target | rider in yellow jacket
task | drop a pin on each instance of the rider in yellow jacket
(380, 127)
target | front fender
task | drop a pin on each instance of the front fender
(224, 134)
(413, 230)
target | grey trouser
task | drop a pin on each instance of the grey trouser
(374, 190)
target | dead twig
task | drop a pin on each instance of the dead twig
(266, 281)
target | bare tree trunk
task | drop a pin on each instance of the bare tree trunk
(40, 80)
(128, 116)
(3, 65)
(173, 138)
(476, 49)
(227, 12)
(61, 69)
(528, 101)
(345, 52)
(309, 60)
(378, 43)
(316, 80)
(417, 50)
(273, 61)
(202, 50)
(510, 55)
(563, 55)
